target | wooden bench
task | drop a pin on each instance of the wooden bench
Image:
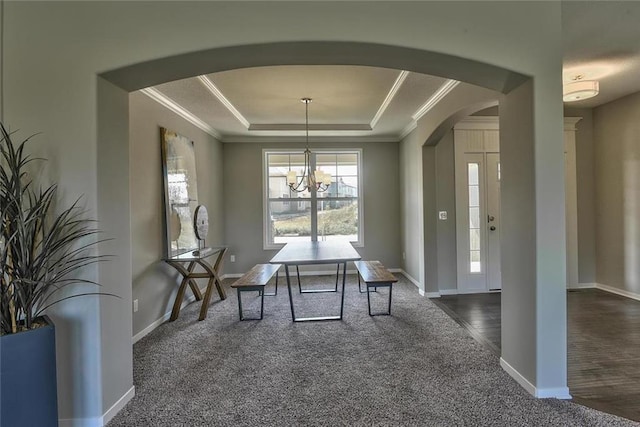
(255, 280)
(375, 275)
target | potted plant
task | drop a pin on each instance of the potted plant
(42, 247)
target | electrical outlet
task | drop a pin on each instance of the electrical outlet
(135, 305)
(232, 258)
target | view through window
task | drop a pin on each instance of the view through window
(332, 214)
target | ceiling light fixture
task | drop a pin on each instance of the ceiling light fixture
(308, 181)
(579, 89)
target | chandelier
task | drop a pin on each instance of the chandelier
(316, 180)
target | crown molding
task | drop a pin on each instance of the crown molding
(223, 99)
(437, 96)
(392, 93)
(433, 100)
(173, 106)
(571, 122)
(408, 129)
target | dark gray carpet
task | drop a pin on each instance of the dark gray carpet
(417, 367)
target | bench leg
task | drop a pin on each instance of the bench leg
(375, 287)
(260, 289)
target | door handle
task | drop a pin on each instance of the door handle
(492, 228)
(490, 218)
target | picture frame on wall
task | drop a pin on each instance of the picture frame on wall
(180, 192)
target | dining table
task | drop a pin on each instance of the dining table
(315, 253)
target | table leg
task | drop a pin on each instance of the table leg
(216, 269)
(286, 270)
(179, 296)
(317, 291)
(192, 283)
(344, 279)
(206, 299)
(213, 279)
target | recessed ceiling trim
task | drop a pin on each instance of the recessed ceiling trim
(434, 99)
(408, 129)
(223, 99)
(288, 127)
(328, 138)
(392, 93)
(170, 104)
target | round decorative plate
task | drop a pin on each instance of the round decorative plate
(201, 222)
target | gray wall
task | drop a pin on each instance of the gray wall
(243, 200)
(616, 131)
(446, 201)
(154, 282)
(429, 183)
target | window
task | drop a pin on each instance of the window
(332, 214)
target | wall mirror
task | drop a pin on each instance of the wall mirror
(180, 192)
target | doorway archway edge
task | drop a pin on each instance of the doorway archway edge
(157, 71)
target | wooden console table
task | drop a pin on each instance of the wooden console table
(185, 264)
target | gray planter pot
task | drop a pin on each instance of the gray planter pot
(28, 396)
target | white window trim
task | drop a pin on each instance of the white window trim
(266, 245)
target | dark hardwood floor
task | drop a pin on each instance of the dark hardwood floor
(603, 344)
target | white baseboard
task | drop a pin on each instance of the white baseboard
(116, 407)
(448, 292)
(430, 294)
(411, 279)
(103, 420)
(582, 286)
(146, 331)
(80, 422)
(617, 291)
(556, 392)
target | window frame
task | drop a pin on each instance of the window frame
(267, 239)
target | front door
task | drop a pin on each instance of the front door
(478, 222)
(494, 279)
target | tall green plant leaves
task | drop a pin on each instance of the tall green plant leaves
(42, 247)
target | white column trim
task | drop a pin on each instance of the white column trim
(541, 393)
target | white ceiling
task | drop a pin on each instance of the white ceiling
(601, 42)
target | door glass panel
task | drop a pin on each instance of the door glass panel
(473, 174)
(474, 239)
(475, 262)
(473, 182)
(474, 218)
(474, 195)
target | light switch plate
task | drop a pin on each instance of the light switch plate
(442, 215)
